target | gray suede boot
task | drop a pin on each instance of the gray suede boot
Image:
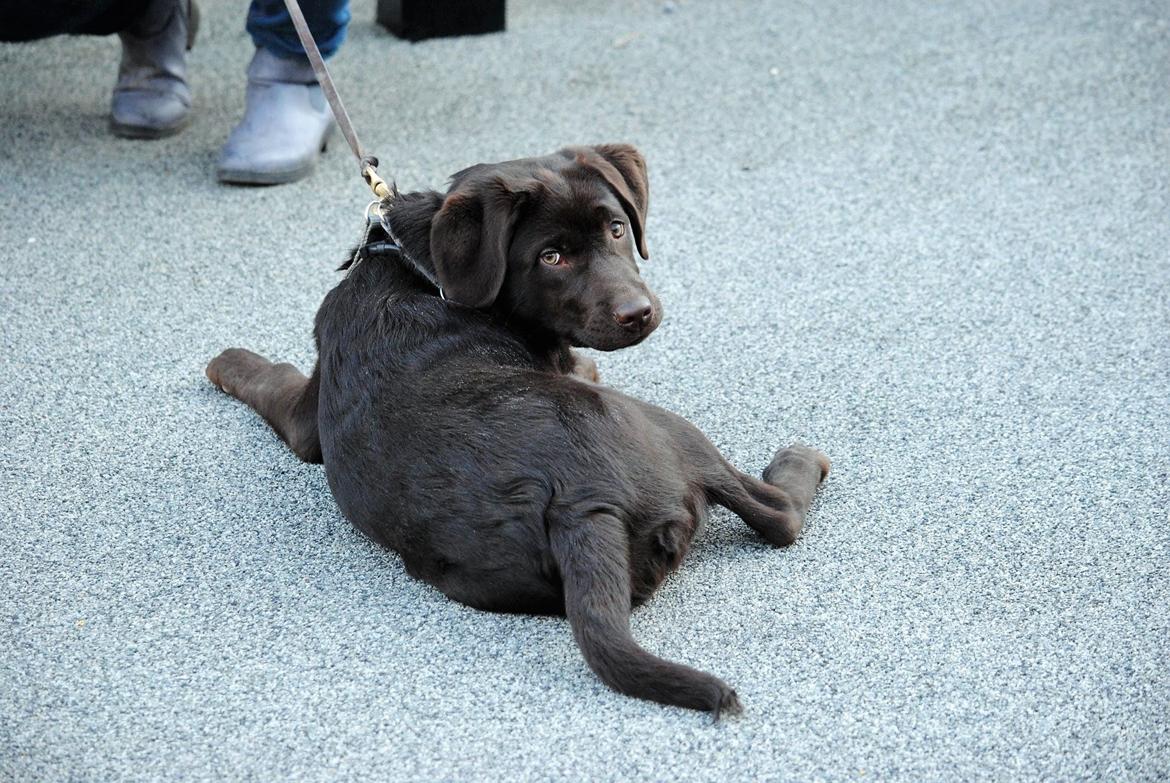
(151, 99)
(286, 124)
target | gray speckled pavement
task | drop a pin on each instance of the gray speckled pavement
(934, 242)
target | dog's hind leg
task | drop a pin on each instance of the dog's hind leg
(776, 506)
(279, 392)
(797, 471)
(592, 552)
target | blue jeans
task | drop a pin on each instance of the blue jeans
(271, 27)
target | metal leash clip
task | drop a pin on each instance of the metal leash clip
(376, 183)
(373, 214)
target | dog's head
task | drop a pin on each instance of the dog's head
(551, 241)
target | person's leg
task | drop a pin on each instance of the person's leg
(152, 99)
(271, 27)
(25, 21)
(286, 118)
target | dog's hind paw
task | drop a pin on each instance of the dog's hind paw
(797, 454)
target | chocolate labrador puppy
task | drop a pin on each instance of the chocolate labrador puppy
(458, 428)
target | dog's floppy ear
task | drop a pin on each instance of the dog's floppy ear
(624, 169)
(470, 235)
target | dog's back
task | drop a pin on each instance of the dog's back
(432, 424)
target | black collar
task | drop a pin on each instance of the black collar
(393, 246)
(380, 247)
(422, 270)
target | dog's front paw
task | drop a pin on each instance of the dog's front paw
(232, 367)
(586, 369)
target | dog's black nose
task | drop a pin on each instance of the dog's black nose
(634, 314)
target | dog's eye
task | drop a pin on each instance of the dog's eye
(550, 257)
(618, 229)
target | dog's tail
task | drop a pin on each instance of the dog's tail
(592, 554)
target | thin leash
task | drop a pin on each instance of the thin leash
(368, 164)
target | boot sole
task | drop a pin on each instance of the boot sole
(232, 177)
(246, 177)
(123, 131)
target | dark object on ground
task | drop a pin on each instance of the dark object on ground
(416, 20)
(21, 21)
(465, 435)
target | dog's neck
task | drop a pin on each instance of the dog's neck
(407, 221)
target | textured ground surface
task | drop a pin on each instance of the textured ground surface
(932, 242)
